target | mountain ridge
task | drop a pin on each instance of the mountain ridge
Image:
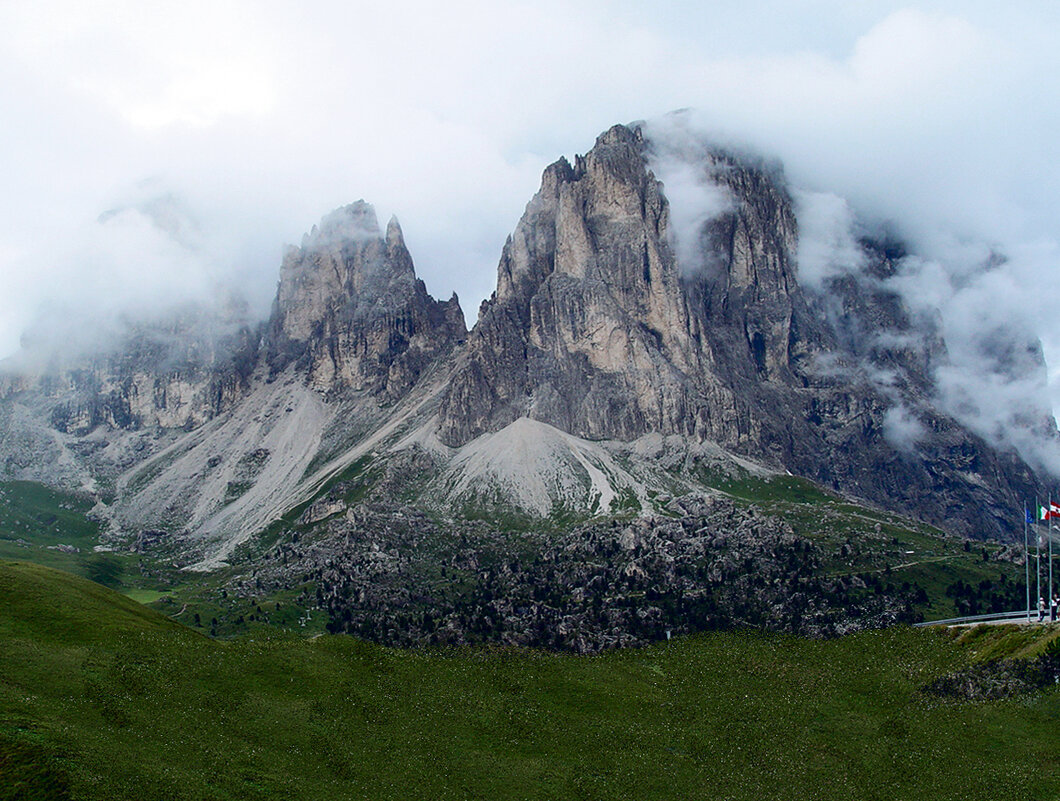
(600, 330)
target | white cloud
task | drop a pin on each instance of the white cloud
(679, 160)
(827, 243)
(901, 429)
(937, 117)
(154, 65)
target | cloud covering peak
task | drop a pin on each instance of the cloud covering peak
(936, 119)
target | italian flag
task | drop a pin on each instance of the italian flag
(1050, 512)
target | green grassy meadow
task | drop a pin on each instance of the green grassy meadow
(957, 576)
(35, 521)
(101, 697)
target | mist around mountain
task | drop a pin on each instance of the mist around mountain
(661, 285)
(673, 323)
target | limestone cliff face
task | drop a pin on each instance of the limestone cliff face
(176, 372)
(351, 324)
(588, 329)
(598, 328)
(620, 311)
(350, 312)
(595, 327)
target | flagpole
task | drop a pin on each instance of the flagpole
(1037, 557)
(1027, 557)
(1049, 534)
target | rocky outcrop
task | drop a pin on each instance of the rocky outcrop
(588, 330)
(401, 578)
(353, 329)
(597, 329)
(600, 329)
(350, 312)
(174, 372)
(623, 310)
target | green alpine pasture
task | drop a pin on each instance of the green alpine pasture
(947, 575)
(942, 575)
(47, 526)
(103, 698)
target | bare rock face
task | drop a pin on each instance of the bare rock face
(604, 326)
(595, 327)
(623, 309)
(351, 313)
(588, 329)
(352, 329)
(175, 372)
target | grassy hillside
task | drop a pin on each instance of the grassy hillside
(943, 576)
(956, 576)
(46, 526)
(102, 698)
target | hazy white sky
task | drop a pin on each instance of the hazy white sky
(257, 118)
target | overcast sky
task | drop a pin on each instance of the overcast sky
(253, 119)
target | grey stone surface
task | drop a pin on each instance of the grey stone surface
(597, 328)
(352, 314)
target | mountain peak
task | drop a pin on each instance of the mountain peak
(650, 289)
(350, 308)
(353, 222)
(394, 235)
(620, 135)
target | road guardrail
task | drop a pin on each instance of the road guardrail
(1022, 613)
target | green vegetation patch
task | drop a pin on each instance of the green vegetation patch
(943, 576)
(989, 643)
(28, 770)
(52, 528)
(144, 596)
(102, 698)
(33, 511)
(786, 489)
(46, 526)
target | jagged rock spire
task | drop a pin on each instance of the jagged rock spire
(351, 312)
(598, 329)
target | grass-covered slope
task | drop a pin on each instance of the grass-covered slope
(945, 576)
(874, 552)
(101, 698)
(47, 526)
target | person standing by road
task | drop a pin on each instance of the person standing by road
(1041, 609)
(1052, 610)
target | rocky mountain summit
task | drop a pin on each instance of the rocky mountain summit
(637, 346)
(597, 328)
(351, 313)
